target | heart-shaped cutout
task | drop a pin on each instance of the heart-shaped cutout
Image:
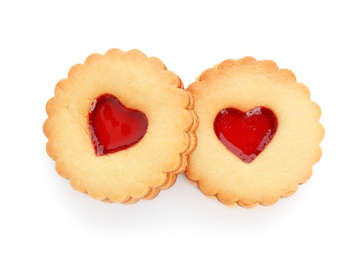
(245, 134)
(114, 127)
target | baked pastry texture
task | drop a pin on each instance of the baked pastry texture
(120, 126)
(258, 134)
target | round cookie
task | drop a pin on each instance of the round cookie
(120, 127)
(258, 133)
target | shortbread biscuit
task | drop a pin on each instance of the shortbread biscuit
(120, 127)
(258, 134)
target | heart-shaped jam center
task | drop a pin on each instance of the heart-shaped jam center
(114, 127)
(245, 134)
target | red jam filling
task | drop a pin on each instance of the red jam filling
(245, 134)
(114, 127)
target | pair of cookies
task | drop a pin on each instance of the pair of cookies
(121, 127)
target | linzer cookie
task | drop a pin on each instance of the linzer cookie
(120, 127)
(258, 134)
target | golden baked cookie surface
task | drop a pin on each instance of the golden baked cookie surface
(284, 163)
(139, 83)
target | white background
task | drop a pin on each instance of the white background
(42, 217)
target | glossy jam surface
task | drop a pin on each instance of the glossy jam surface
(245, 134)
(114, 127)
